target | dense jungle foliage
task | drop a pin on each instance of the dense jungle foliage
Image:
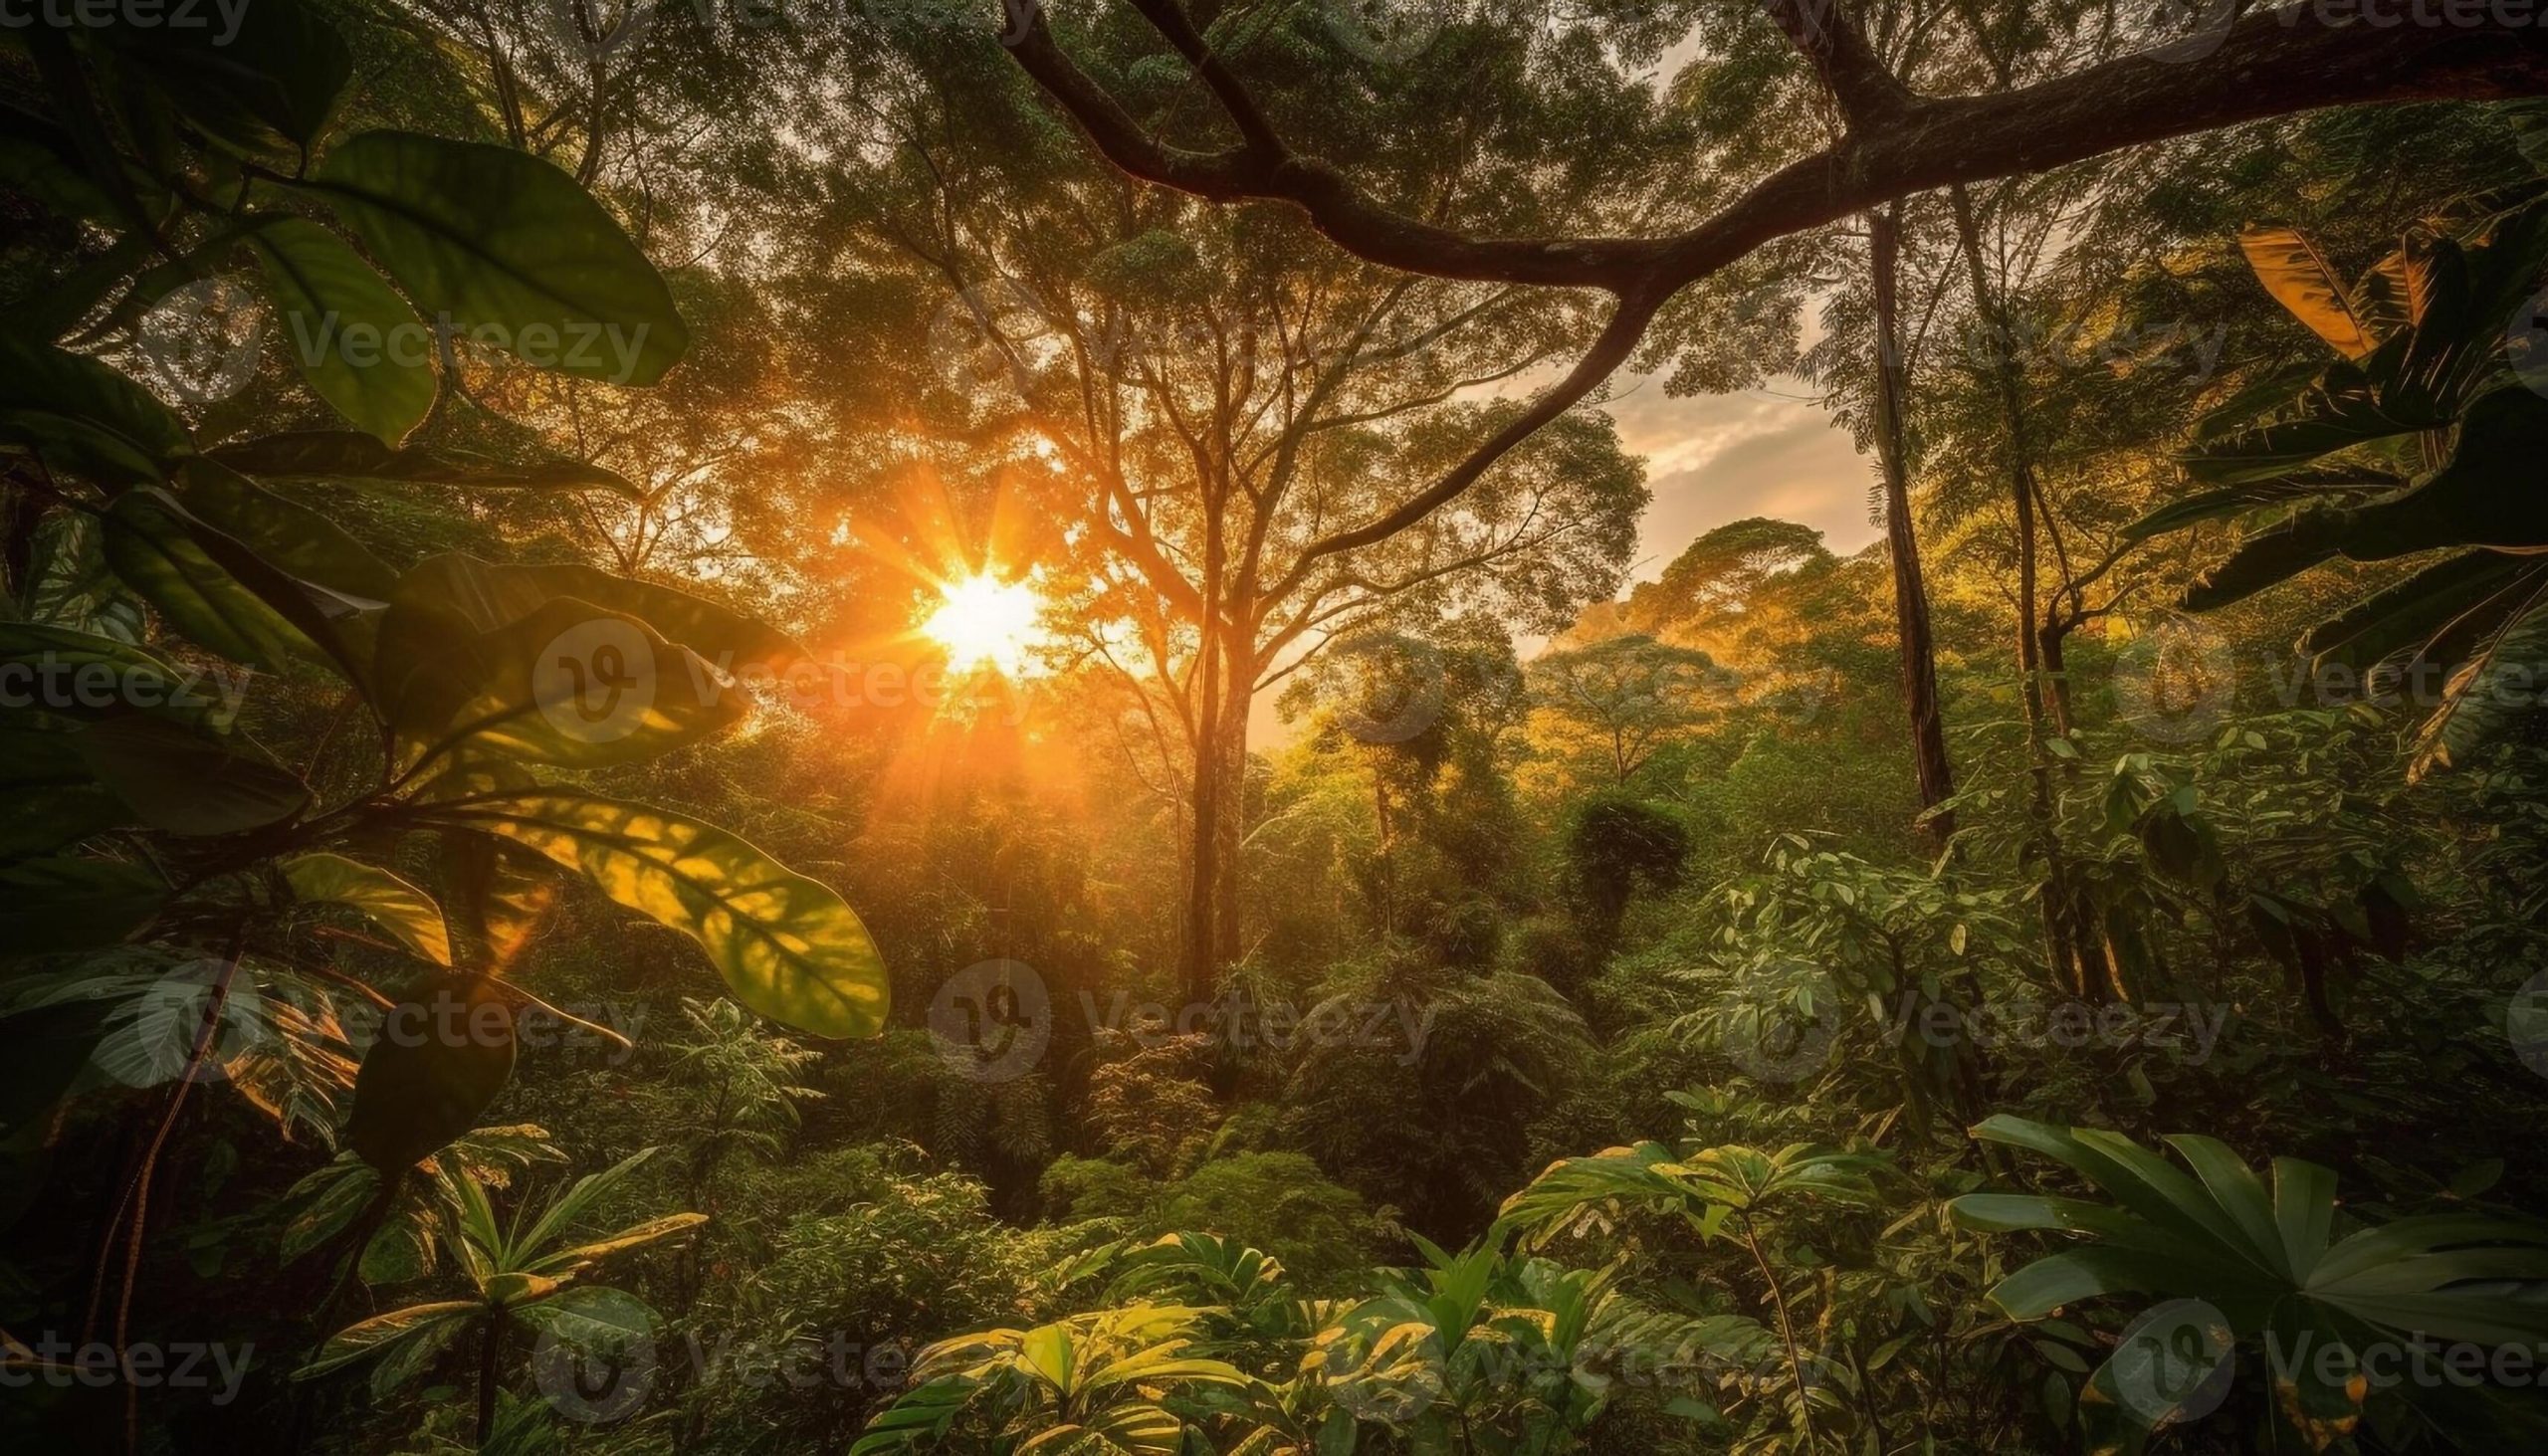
(936, 726)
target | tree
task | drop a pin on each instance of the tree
(1620, 701)
(1190, 401)
(517, 1276)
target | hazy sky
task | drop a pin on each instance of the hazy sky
(1717, 458)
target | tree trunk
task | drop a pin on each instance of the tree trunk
(1230, 823)
(2065, 943)
(1910, 592)
(1203, 885)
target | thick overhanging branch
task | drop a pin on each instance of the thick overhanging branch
(1867, 94)
(2270, 64)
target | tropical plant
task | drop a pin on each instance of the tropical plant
(525, 1277)
(1721, 1192)
(2269, 1273)
(157, 829)
(1108, 1380)
(2418, 438)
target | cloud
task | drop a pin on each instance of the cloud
(1711, 459)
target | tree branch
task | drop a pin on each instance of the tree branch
(1831, 40)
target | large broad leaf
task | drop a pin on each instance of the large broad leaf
(2290, 267)
(497, 895)
(354, 338)
(597, 1324)
(350, 455)
(2410, 613)
(72, 585)
(381, 1335)
(485, 234)
(50, 906)
(442, 1057)
(569, 683)
(2270, 557)
(2487, 494)
(2253, 494)
(2340, 412)
(154, 545)
(70, 674)
(2487, 694)
(227, 596)
(83, 418)
(490, 597)
(54, 801)
(389, 901)
(296, 539)
(260, 78)
(185, 781)
(788, 947)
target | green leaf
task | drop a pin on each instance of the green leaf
(442, 1058)
(296, 539)
(2487, 494)
(225, 595)
(2241, 499)
(497, 893)
(570, 684)
(83, 418)
(359, 346)
(383, 1332)
(491, 236)
(49, 906)
(788, 947)
(2486, 695)
(185, 781)
(155, 544)
(597, 1324)
(54, 801)
(2270, 557)
(490, 597)
(389, 901)
(2407, 614)
(350, 455)
(260, 80)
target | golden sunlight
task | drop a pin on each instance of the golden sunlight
(987, 623)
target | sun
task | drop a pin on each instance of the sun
(987, 623)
